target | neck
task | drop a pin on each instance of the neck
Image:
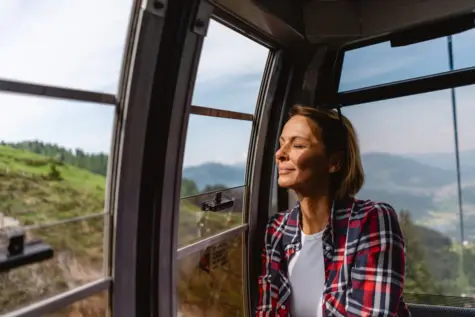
(315, 212)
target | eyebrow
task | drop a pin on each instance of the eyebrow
(294, 137)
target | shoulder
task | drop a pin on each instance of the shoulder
(375, 215)
(277, 224)
(282, 217)
(378, 225)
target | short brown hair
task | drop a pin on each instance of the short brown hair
(338, 135)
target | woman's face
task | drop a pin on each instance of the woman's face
(301, 159)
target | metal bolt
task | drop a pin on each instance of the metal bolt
(158, 5)
(199, 23)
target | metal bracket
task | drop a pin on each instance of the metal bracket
(155, 7)
(203, 16)
(16, 252)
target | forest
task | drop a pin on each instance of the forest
(42, 183)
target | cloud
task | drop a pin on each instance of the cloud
(80, 44)
(75, 44)
(227, 54)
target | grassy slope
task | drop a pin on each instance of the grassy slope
(27, 194)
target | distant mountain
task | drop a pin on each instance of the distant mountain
(447, 160)
(387, 171)
(428, 191)
(216, 173)
(383, 172)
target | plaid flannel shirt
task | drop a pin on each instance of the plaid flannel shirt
(364, 261)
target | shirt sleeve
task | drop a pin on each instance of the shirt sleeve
(266, 295)
(377, 276)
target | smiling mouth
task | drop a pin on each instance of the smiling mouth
(285, 171)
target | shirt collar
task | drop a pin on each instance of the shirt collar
(295, 219)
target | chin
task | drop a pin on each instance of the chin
(285, 182)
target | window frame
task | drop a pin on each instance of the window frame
(449, 80)
(141, 214)
(261, 120)
(417, 85)
(105, 283)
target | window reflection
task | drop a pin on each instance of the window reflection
(196, 224)
(210, 282)
(410, 163)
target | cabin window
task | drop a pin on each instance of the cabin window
(78, 46)
(213, 217)
(382, 64)
(410, 163)
(55, 152)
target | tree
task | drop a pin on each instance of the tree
(419, 282)
(53, 173)
(188, 188)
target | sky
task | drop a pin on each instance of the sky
(80, 44)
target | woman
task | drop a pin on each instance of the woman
(332, 254)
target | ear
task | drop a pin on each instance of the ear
(335, 162)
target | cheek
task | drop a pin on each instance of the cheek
(311, 164)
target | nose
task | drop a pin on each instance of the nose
(281, 154)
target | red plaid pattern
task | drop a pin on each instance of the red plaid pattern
(363, 255)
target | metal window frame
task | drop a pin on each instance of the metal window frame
(159, 98)
(220, 113)
(67, 298)
(235, 23)
(62, 300)
(136, 90)
(447, 80)
(412, 86)
(18, 87)
(64, 221)
(269, 120)
(210, 241)
(386, 36)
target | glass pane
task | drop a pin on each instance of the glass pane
(463, 45)
(381, 64)
(410, 164)
(466, 135)
(230, 70)
(76, 44)
(196, 224)
(78, 260)
(215, 154)
(93, 306)
(53, 158)
(210, 282)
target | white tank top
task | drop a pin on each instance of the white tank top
(307, 277)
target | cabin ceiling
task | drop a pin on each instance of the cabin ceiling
(352, 19)
(337, 20)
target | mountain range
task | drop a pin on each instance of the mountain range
(424, 184)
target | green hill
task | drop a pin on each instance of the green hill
(37, 189)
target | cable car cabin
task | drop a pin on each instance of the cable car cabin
(138, 141)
